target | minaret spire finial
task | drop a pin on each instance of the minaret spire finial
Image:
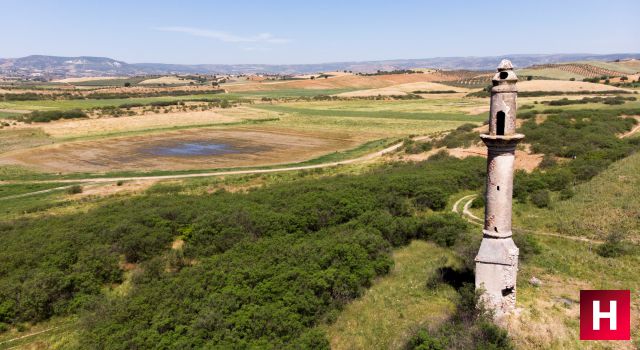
(505, 64)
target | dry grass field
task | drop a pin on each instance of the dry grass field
(84, 79)
(343, 81)
(561, 85)
(169, 80)
(403, 89)
(96, 127)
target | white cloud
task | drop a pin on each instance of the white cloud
(253, 48)
(226, 37)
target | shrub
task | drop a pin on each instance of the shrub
(528, 245)
(466, 127)
(459, 138)
(548, 161)
(613, 246)
(432, 198)
(479, 201)
(566, 193)
(415, 147)
(541, 198)
(47, 116)
(443, 229)
(75, 189)
(425, 341)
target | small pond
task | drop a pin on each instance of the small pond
(189, 149)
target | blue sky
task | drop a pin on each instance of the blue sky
(236, 31)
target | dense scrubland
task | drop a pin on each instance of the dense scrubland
(257, 269)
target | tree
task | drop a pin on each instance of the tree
(127, 84)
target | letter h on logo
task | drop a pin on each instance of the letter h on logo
(596, 323)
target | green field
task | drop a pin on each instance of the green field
(290, 93)
(93, 103)
(549, 73)
(342, 113)
(614, 193)
(612, 66)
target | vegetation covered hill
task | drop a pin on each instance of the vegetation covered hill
(257, 269)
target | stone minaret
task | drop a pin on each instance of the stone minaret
(497, 259)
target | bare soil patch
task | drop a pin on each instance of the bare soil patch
(112, 188)
(403, 89)
(345, 81)
(524, 159)
(166, 80)
(85, 79)
(98, 126)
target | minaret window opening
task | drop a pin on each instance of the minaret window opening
(504, 75)
(498, 187)
(500, 123)
(507, 291)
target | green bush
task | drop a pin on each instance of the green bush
(566, 193)
(425, 341)
(548, 161)
(460, 137)
(478, 201)
(415, 147)
(432, 198)
(541, 198)
(75, 189)
(527, 244)
(47, 116)
(613, 246)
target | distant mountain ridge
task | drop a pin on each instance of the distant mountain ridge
(62, 67)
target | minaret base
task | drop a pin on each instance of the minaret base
(496, 272)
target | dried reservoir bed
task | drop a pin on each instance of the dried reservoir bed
(182, 150)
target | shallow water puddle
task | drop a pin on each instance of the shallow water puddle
(187, 149)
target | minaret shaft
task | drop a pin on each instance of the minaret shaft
(497, 259)
(499, 191)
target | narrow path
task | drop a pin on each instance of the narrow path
(35, 193)
(9, 342)
(631, 132)
(470, 217)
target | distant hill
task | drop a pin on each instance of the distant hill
(50, 67)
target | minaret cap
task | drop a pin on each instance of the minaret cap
(505, 65)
